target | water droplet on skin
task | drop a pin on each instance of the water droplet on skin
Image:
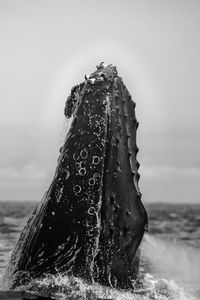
(41, 254)
(118, 168)
(92, 80)
(58, 194)
(75, 157)
(67, 174)
(115, 175)
(91, 197)
(96, 175)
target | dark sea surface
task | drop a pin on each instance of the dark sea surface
(171, 250)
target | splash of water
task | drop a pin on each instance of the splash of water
(180, 264)
(167, 260)
(63, 286)
(172, 260)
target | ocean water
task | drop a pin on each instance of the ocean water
(170, 260)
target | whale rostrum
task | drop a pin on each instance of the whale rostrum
(91, 220)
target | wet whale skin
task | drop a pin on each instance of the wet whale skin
(91, 220)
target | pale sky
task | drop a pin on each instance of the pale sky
(47, 46)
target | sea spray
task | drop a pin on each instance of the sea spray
(70, 287)
(171, 260)
(155, 251)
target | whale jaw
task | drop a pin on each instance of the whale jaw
(91, 220)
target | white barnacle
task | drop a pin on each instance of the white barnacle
(82, 171)
(75, 156)
(77, 189)
(95, 160)
(84, 153)
(78, 165)
(91, 232)
(92, 181)
(41, 254)
(91, 211)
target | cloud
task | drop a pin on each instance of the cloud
(170, 184)
(26, 183)
(152, 172)
(27, 174)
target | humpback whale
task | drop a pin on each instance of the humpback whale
(91, 220)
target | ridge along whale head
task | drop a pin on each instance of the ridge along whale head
(91, 220)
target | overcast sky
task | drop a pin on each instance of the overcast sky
(47, 46)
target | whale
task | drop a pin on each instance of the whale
(91, 221)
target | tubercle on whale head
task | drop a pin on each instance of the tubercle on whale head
(146, 228)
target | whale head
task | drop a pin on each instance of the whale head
(91, 220)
